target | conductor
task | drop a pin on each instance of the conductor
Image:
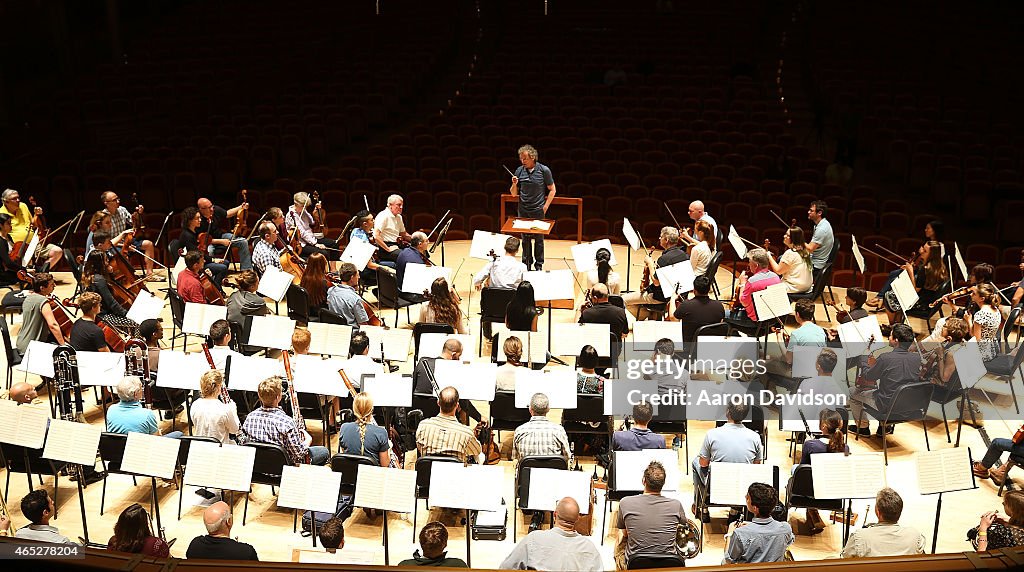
(533, 184)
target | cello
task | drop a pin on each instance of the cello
(110, 335)
(241, 229)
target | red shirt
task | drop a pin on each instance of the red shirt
(189, 287)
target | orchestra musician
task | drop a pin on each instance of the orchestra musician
(189, 286)
(697, 214)
(603, 312)
(891, 370)
(211, 417)
(100, 221)
(86, 336)
(444, 434)
(928, 279)
(9, 266)
(604, 274)
(38, 321)
(533, 184)
(807, 333)
(389, 228)
(120, 221)
(794, 266)
(744, 317)
(244, 301)
(220, 335)
(822, 239)
(315, 282)
(979, 274)
(984, 324)
(363, 231)
(700, 310)
(212, 219)
(522, 312)
(441, 307)
(96, 278)
(270, 424)
(189, 240)
(673, 253)
(503, 271)
(415, 254)
(359, 359)
(129, 416)
(267, 252)
(363, 436)
(344, 300)
(298, 217)
(21, 222)
(276, 216)
(703, 248)
(933, 232)
(1018, 294)
(506, 374)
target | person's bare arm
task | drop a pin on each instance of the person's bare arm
(551, 197)
(51, 323)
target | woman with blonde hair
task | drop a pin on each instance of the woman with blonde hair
(984, 324)
(363, 436)
(211, 417)
(441, 307)
(506, 375)
(794, 266)
(704, 248)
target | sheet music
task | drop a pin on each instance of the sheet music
(944, 470)
(72, 442)
(524, 338)
(730, 481)
(246, 372)
(903, 288)
(389, 389)
(805, 358)
(737, 243)
(548, 486)
(30, 249)
(528, 224)
(855, 335)
(969, 364)
(630, 234)
(584, 254)
(716, 348)
(23, 425)
(551, 284)
(150, 455)
(650, 331)
(431, 343)
(569, 339)
(838, 476)
(271, 332)
(384, 488)
(680, 273)
(145, 307)
(178, 268)
(772, 302)
(38, 359)
(419, 277)
(274, 283)
(959, 260)
(473, 487)
(857, 254)
(179, 370)
(474, 380)
(199, 317)
(228, 467)
(309, 487)
(484, 242)
(629, 468)
(357, 367)
(396, 342)
(559, 385)
(100, 368)
(329, 339)
(317, 376)
(358, 253)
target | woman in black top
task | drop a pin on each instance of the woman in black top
(96, 278)
(521, 314)
(189, 240)
(8, 267)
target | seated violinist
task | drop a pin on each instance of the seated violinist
(189, 240)
(298, 217)
(21, 222)
(342, 298)
(442, 307)
(637, 302)
(744, 317)
(603, 312)
(38, 320)
(245, 301)
(212, 218)
(266, 252)
(794, 266)
(86, 336)
(389, 227)
(120, 221)
(190, 288)
(96, 277)
(362, 230)
(416, 254)
(316, 283)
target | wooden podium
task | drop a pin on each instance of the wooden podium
(507, 227)
(568, 201)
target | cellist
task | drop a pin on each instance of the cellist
(96, 277)
(22, 221)
(189, 240)
(38, 319)
(211, 219)
(121, 220)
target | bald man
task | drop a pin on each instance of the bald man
(22, 393)
(444, 435)
(424, 370)
(218, 544)
(211, 222)
(558, 548)
(696, 212)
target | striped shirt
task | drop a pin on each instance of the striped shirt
(539, 436)
(444, 435)
(120, 221)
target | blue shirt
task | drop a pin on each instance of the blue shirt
(374, 443)
(533, 187)
(824, 238)
(345, 302)
(809, 334)
(763, 540)
(131, 417)
(358, 234)
(406, 256)
(636, 440)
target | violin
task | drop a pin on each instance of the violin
(965, 291)
(781, 330)
(861, 383)
(241, 229)
(645, 280)
(1018, 437)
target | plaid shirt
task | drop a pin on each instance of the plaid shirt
(539, 436)
(443, 435)
(120, 221)
(265, 255)
(272, 425)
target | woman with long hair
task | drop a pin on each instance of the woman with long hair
(604, 274)
(314, 281)
(521, 314)
(363, 436)
(928, 279)
(934, 231)
(9, 267)
(984, 324)
(441, 307)
(587, 379)
(506, 375)
(996, 531)
(832, 439)
(96, 278)
(704, 248)
(133, 533)
(794, 266)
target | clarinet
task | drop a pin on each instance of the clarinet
(138, 365)
(65, 381)
(300, 423)
(224, 395)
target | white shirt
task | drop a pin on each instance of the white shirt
(356, 366)
(798, 278)
(700, 258)
(220, 356)
(711, 221)
(614, 281)
(388, 226)
(507, 272)
(211, 417)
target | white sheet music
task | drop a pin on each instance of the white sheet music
(730, 481)
(419, 277)
(178, 267)
(100, 368)
(389, 389)
(960, 260)
(150, 455)
(630, 466)
(30, 249)
(680, 273)
(199, 317)
(484, 242)
(530, 224)
(358, 253)
(329, 339)
(584, 254)
(38, 359)
(944, 470)
(717, 348)
(384, 488)
(857, 254)
(551, 284)
(474, 380)
(805, 358)
(274, 283)
(903, 288)
(432, 343)
(524, 338)
(838, 476)
(395, 341)
(737, 243)
(855, 335)
(559, 385)
(548, 486)
(72, 442)
(309, 487)
(23, 425)
(271, 332)
(246, 372)
(317, 376)
(650, 331)
(772, 302)
(969, 364)
(630, 234)
(145, 307)
(474, 487)
(228, 467)
(569, 339)
(179, 370)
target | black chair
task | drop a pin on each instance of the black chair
(800, 492)
(183, 448)
(505, 416)
(923, 312)
(14, 356)
(298, 303)
(1008, 363)
(662, 561)
(111, 455)
(818, 289)
(267, 468)
(589, 409)
(329, 317)
(712, 271)
(389, 296)
(493, 304)
(240, 332)
(76, 270)
(177, 317)
(613, 494)
(522, 486)
(427, 403)
(423, 465)
(14, 460)
(348, 465)
(427, 328)
(615, 349)
(311, 408)
(910, 403)
(719, 329)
